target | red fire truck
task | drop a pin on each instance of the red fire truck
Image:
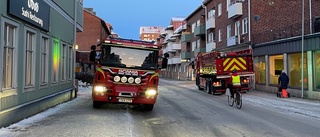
(127, 72)
(213, 69)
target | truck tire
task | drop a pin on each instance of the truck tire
(208, 87)
(148, 107)
(97, 104)
(213, 92)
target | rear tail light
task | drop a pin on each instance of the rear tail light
(216, 84)
(246, 81)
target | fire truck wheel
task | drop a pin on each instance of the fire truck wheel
(148, 107)
(213, 92)
(97, 104)
(208, 88)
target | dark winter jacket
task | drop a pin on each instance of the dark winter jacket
(283, 81)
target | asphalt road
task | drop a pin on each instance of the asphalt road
(181, 111)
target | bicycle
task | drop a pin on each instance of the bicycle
(237, 99)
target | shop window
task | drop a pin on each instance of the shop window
(317, 69)
(276, 66)
(260, 69)
(294, 66)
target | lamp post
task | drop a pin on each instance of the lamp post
(302, 53)
(75, 47)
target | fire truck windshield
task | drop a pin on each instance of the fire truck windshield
(128, 58)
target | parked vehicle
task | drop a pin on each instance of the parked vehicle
(127, 72)
(213, 69)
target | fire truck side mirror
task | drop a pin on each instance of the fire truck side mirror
(164, 63)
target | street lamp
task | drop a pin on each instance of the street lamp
(302, 53)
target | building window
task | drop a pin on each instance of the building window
(245, 25)
(211, 37)
(56, 54)
(294, 65)
(275, 67)
(9, 57)
(70, 63)
(228, 31)
(198, 23)
(260, 69)
(228, 3)
(194, 45)
(219, 9)
(237, 28)
(193, 27)
(211, 13)
(30, 58)
(317, 69)
(198, 43)
(220, 35)
(44, 60)
(63, 61)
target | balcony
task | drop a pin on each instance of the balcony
(174, 60)
(232, 41)
(211, 23)
(235, 9)
(210, 46)
(185, 55)
(185, 37)
(170, 47)
(198, 50)
(199, 30)
(176, 46)
(164, 50)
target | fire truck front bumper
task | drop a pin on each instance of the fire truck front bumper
(134, 97)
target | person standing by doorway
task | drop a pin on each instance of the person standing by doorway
(283, 82)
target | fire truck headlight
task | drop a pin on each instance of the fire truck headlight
(116, 78)
(100, 88)
(137, 80)
(124, 79)
(130, 79)
(151, 92)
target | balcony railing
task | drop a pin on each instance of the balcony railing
(210, 46)
(197, 50)
(174, 60)
(235, 9)
(170, 47)
(164, 50)
(176, 46)
(211, 23)
(232, 41)
(185, 37)
(199, 30)
(185, 55)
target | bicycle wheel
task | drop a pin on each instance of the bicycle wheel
(230, 101)
(238, 100)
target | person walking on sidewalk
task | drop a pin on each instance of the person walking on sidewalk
(283, 82)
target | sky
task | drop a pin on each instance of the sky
(127, 16)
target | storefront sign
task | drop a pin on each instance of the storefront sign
(35, 12)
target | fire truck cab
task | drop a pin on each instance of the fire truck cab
(127, 72)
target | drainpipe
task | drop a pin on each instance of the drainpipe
(205, 19)
(310, 13)
(249, 23)
(75, 43)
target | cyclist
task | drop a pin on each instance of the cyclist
(234, 82)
